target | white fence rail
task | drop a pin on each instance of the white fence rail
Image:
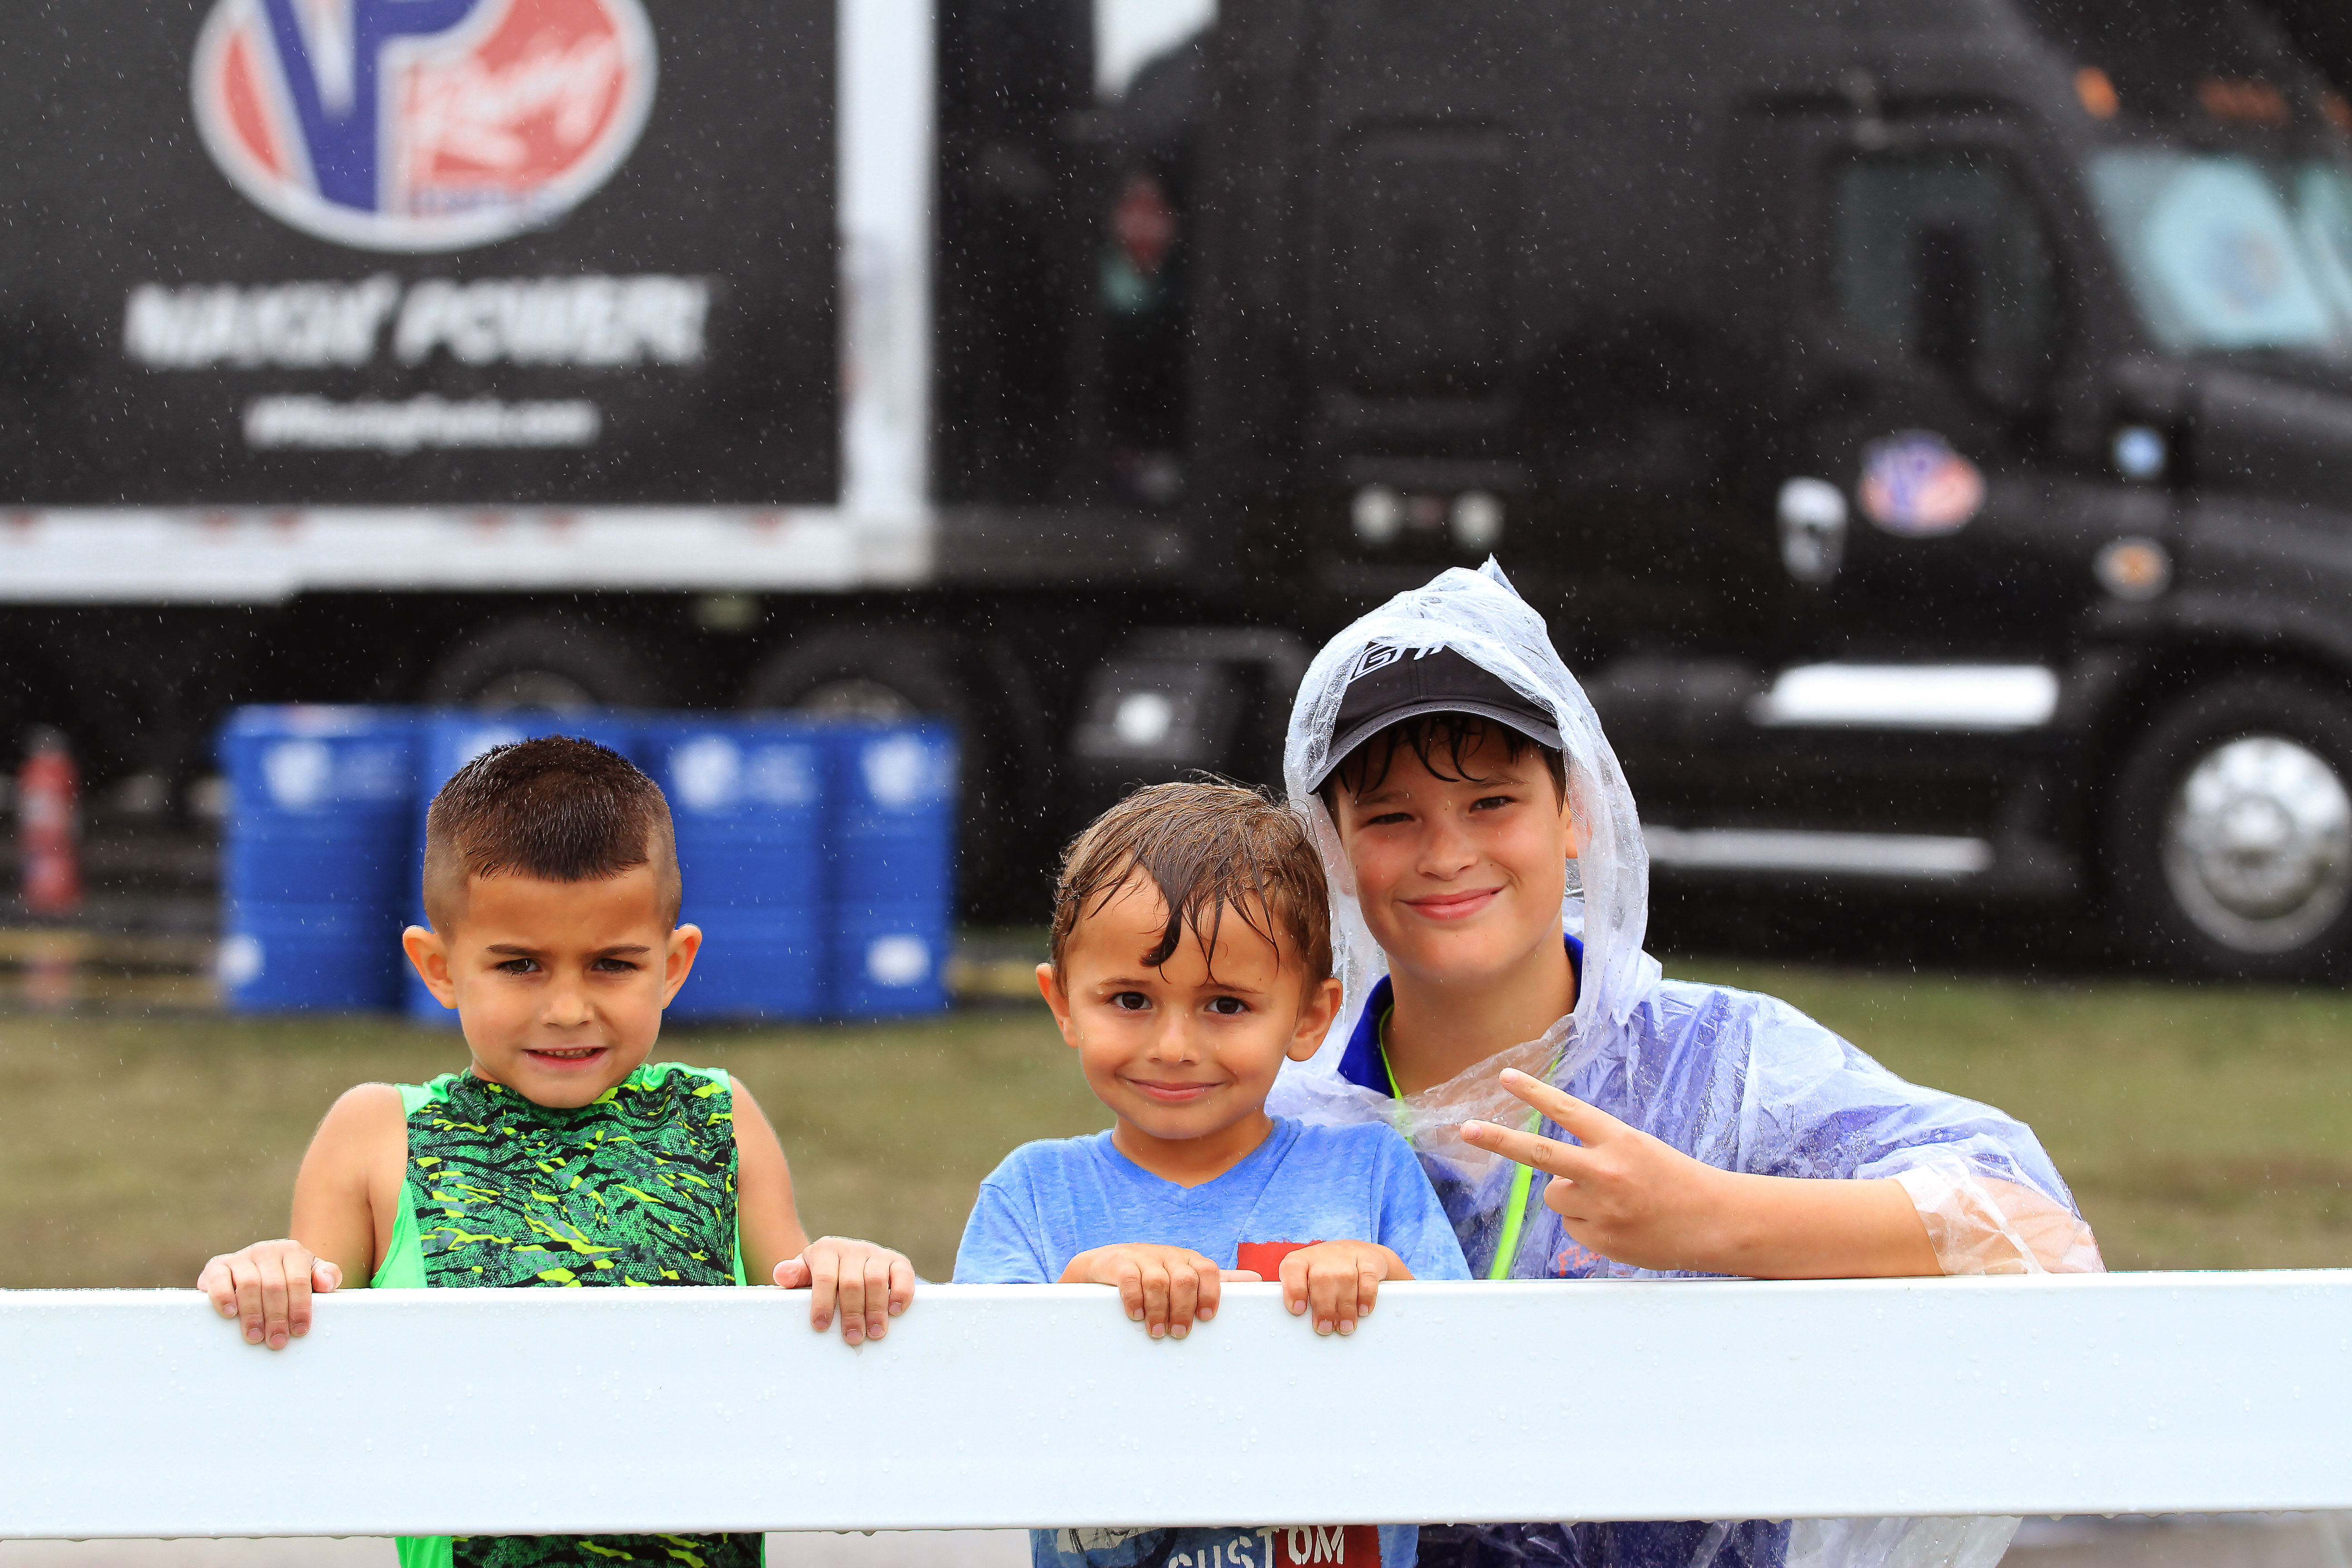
(138, 1413)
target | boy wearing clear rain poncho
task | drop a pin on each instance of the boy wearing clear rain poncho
(1580, 1116)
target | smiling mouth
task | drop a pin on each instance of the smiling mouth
(564, 1056)
(1170, 1093)
(1453, 906)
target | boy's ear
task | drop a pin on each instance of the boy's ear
(1049, 986)
(429, 956)
(1321, 1011)
(684, 943)
(1567, 819)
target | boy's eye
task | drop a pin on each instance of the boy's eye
(1227, 1006)
(615, 965)
(1130, 1001)
(519, 966)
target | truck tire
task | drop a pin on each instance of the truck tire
(2229, 851)
(905, 672)
(861, 672)
(543, 661)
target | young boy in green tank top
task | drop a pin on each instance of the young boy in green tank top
(560, 1156)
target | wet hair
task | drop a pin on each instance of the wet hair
(1438, 741)
(1209, 848)
(557, 809)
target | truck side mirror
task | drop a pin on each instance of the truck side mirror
(1948, 284)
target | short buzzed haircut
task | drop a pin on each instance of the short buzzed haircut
(1208, 849)
(559, 809)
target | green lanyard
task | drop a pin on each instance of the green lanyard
(1515, 1215)
(1506, 1251)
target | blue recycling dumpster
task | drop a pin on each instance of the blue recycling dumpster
(747, 798)
(445, 742)
(317, 851)
(893, 862)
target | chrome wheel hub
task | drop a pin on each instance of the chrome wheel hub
(2258, 844)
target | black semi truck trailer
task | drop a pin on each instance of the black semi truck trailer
(1926, 424)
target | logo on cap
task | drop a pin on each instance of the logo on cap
(1378, 656)
(420, 125)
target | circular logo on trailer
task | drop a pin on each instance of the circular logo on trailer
(420, 125)
(1913, 484)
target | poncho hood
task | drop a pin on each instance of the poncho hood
(1479, 616)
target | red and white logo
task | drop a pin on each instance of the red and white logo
(419, 125)
(1915, 486)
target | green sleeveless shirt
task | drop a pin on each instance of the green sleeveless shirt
(637, 1187)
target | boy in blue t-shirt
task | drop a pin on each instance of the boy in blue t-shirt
(1192, 956)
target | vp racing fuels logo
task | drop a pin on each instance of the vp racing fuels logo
(1915, 486)
(420, 125)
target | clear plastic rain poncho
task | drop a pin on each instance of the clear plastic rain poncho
(1738, 1080)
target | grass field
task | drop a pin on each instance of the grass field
(2202, 1126)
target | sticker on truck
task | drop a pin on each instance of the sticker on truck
(420, 125)
(1915, 486)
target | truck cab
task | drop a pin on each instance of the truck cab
(1926, 424)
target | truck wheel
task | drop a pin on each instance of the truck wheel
(855, 673)
(872, 673)
(2229, 850)
(543, 661)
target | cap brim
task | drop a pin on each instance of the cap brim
(1363, 729)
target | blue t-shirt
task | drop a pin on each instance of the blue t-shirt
(1052, 1200)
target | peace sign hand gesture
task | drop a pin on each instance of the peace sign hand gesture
(1624, 1194)
(1620, 1192)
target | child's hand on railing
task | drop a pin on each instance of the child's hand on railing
(869, 1284)
(269, 1285)
(1339, 1281)
(1165, 1289)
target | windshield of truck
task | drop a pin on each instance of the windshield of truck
(2225, 251)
